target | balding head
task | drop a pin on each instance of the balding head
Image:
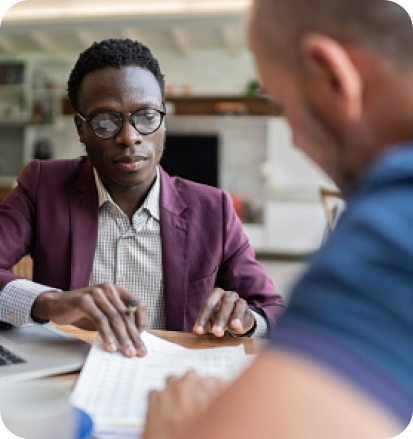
(380, 26)
(339, 69)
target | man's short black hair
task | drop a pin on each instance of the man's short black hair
(112, 53)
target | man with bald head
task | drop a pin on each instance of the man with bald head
(341, 363)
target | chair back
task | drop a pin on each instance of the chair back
(24, 268)
(333, 203)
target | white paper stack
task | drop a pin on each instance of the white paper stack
(113, 389)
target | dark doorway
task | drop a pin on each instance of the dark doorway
(192, 156)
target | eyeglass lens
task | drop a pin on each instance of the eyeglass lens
(108, 124)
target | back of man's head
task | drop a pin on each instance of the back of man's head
(381, 26)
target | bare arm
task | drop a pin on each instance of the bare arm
(284, 396)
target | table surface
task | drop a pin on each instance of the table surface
(185, 339)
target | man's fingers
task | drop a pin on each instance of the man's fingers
(221, 311)
(132, 322)
(108, 299)
(127, 330)
(100, 321)
(207, 310)
(105, 301)
(100, 307)
(222, 318)
(242, 319)
(125, 298)
(141, 317)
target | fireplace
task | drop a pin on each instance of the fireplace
(193, 156)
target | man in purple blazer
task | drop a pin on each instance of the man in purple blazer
(113, 227)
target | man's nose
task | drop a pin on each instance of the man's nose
(128, 135)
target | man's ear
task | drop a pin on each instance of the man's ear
(79, 128)
(334, 80)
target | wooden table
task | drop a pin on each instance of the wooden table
(188, 340)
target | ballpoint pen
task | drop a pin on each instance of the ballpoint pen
(133, 306)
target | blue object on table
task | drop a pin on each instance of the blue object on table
(84, 425)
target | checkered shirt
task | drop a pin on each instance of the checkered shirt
(128, 254)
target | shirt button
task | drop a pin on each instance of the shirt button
(122, 278)
(12, 316)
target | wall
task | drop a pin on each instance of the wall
(207, 71)
(10, 152)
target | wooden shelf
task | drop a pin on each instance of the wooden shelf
(211, 105)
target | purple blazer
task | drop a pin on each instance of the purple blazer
(53, 215)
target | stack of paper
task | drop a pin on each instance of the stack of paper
(113, 389)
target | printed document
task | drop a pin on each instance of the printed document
(113, 389)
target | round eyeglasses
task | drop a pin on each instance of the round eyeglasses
(109, 123)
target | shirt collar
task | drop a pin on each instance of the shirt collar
(151, 202)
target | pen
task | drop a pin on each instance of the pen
(133, 305)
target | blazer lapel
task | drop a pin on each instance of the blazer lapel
(83, 207)
(175, 238)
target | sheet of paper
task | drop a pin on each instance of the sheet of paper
(113, 389)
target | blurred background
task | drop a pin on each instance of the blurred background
(220, 130)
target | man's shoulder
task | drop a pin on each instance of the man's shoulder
(197, 199)
(57, 167)
(63, 165)
(54, 173)
(191, 189)
(383, 195)
(392, 170)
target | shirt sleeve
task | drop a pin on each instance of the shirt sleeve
(261, 327)
(16, 301)
(260, 330)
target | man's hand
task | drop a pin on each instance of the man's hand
(224, 311)
(181, 404)
(100, 307)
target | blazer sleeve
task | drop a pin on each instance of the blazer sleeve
(242, 273)
(17, 222)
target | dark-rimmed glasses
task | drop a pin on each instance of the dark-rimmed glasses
(108, 124)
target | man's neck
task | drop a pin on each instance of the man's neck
(130, 199)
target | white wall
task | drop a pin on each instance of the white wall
(208, 71)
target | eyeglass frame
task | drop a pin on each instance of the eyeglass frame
(123, 116)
